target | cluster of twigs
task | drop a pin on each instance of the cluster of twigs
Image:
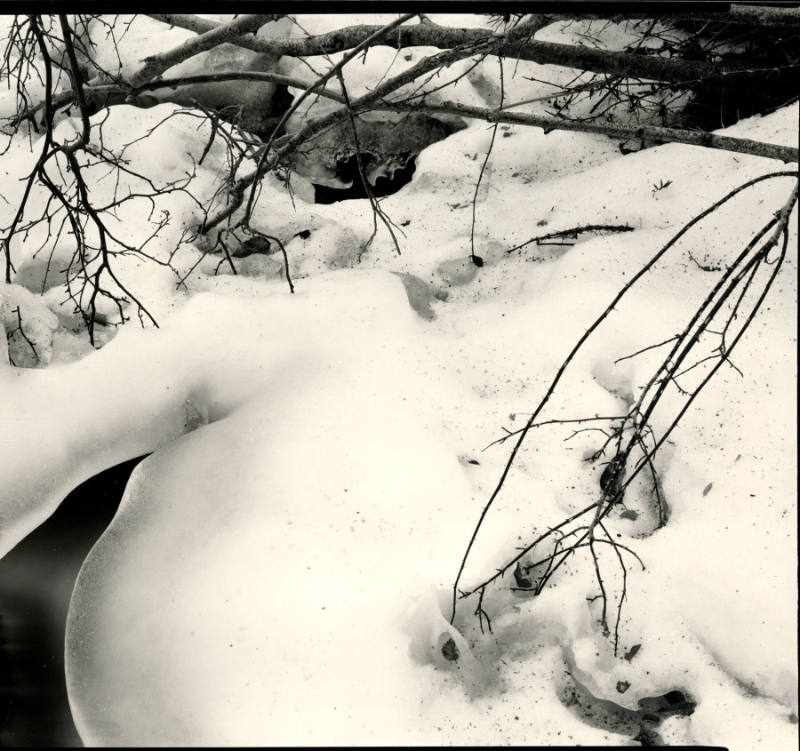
(61, 169)
(602, 97)
(724, 315)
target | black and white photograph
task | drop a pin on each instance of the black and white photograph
(399, 374)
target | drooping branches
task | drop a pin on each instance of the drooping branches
(71, 211)
(725, 315)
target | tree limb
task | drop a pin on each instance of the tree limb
(758, 15)
(157, 64)
(652, 133)
(651, 67)
(649, 132)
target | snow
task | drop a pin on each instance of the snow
(279, 570)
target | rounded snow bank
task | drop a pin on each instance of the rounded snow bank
(251, 565)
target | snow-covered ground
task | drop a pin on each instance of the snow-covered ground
(280, 569)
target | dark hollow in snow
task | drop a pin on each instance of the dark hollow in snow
(347, 170)
(640, 724)
(36, 581)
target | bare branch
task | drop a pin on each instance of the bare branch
(573, 232)
(157, 64)
(602, 508)
(77, 85)
(509, 45)
(642, 132)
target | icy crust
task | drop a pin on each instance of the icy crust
(278, 571)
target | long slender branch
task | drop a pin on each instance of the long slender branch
(781, 230)
(477, 260)
(550, 53)
(75, 79)
(551, 389)
(377, 211)
(649, 132)
(652, 133)
(688, 338)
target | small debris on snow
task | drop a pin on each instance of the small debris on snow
(450, 650)
(632, 652)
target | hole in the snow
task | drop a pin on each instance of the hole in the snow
(384, 184)
(639, 724)
(36, 581)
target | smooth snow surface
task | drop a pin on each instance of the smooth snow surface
(280, 569)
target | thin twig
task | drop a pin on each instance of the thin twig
(573, 232)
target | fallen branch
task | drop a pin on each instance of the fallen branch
(573, 232)
(642, 416)
(371, 102)
(629, 64)
(642, 132)
(157, 64)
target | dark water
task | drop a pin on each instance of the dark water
(348, 170)
(36, 580)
